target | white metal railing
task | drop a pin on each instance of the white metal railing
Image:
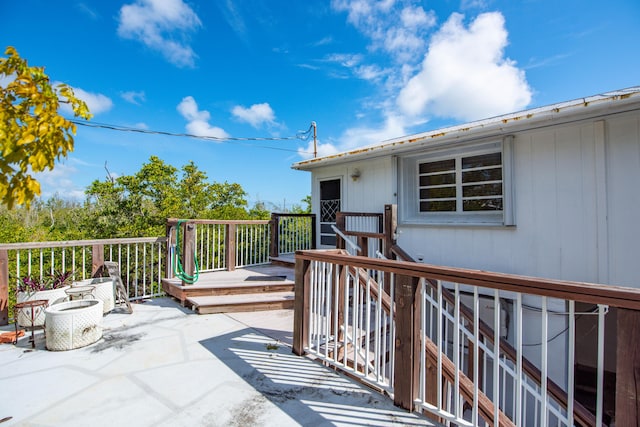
(294, 233)
(349, 326)
(210, 246)
(250, 240)
(221, 244)
(488, 356)
(142, 261)
(252, 244)
(477, 357)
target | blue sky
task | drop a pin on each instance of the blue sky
(365, 71)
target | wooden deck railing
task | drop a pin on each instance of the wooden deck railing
(292, 232)
(144, 262)
(480, 345)
(228, 244)
(340, 319)
(141, 260)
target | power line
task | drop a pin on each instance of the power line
(301, 135)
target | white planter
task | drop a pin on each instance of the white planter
(54, 296)
(73, 324)
(104, 291)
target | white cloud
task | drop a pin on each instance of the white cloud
(471, 4)
(323, 42)
(398, 31)
(393, 127)
(234, 19)
(347, 60)
(256, 115)
(133, 97)
(370, 72)
(163, 26)
(198, 121)
(416, 17)
(88, 11)
(352, 138)
(97, 102)
(456, 70)
(59, 182)
(465, 74)
(322, 150)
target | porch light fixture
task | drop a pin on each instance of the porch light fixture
(355, 175)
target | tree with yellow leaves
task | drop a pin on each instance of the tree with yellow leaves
(33, 134)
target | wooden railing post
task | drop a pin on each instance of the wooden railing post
(406, 366)
(274, 245)
(314, 236)
(628, 368)
(4, 287)
(97, 260)
(340, 225)
(363, 242)
(188, 250)
(230, 247)
(389, 228)
(301, 307)
(171, 240)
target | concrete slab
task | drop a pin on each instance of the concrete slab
(163, 365)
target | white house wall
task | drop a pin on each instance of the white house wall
(569, 224)
(623, 200)
(368, 193)
(576, 203)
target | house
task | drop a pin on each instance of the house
(549, 192)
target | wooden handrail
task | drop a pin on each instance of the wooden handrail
(577, 291)
(485, 405)
(69, 243)
(174, 221)
(614, 296)
(368, 234)
(582, 415)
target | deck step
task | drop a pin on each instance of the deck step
(242, 302)
(219, 289)
(264, 287)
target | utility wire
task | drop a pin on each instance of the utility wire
(301, 135)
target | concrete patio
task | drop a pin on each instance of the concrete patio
(165, 366)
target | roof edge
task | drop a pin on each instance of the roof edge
(503, 123)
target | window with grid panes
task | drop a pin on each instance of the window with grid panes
(461, 184)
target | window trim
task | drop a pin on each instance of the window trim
(409, 197)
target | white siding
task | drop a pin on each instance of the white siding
(369, 193)
(557, 191)
(577, 204)
(623, 200)
(577, 208)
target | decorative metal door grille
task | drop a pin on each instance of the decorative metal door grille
(329, 209)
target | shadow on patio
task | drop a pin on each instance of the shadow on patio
(164, 366)
(305, 392)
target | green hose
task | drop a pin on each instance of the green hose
(179, 268)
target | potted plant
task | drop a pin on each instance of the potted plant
(51, 288)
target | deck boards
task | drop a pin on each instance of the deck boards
(265, 287)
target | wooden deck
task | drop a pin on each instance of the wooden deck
(265, 287)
